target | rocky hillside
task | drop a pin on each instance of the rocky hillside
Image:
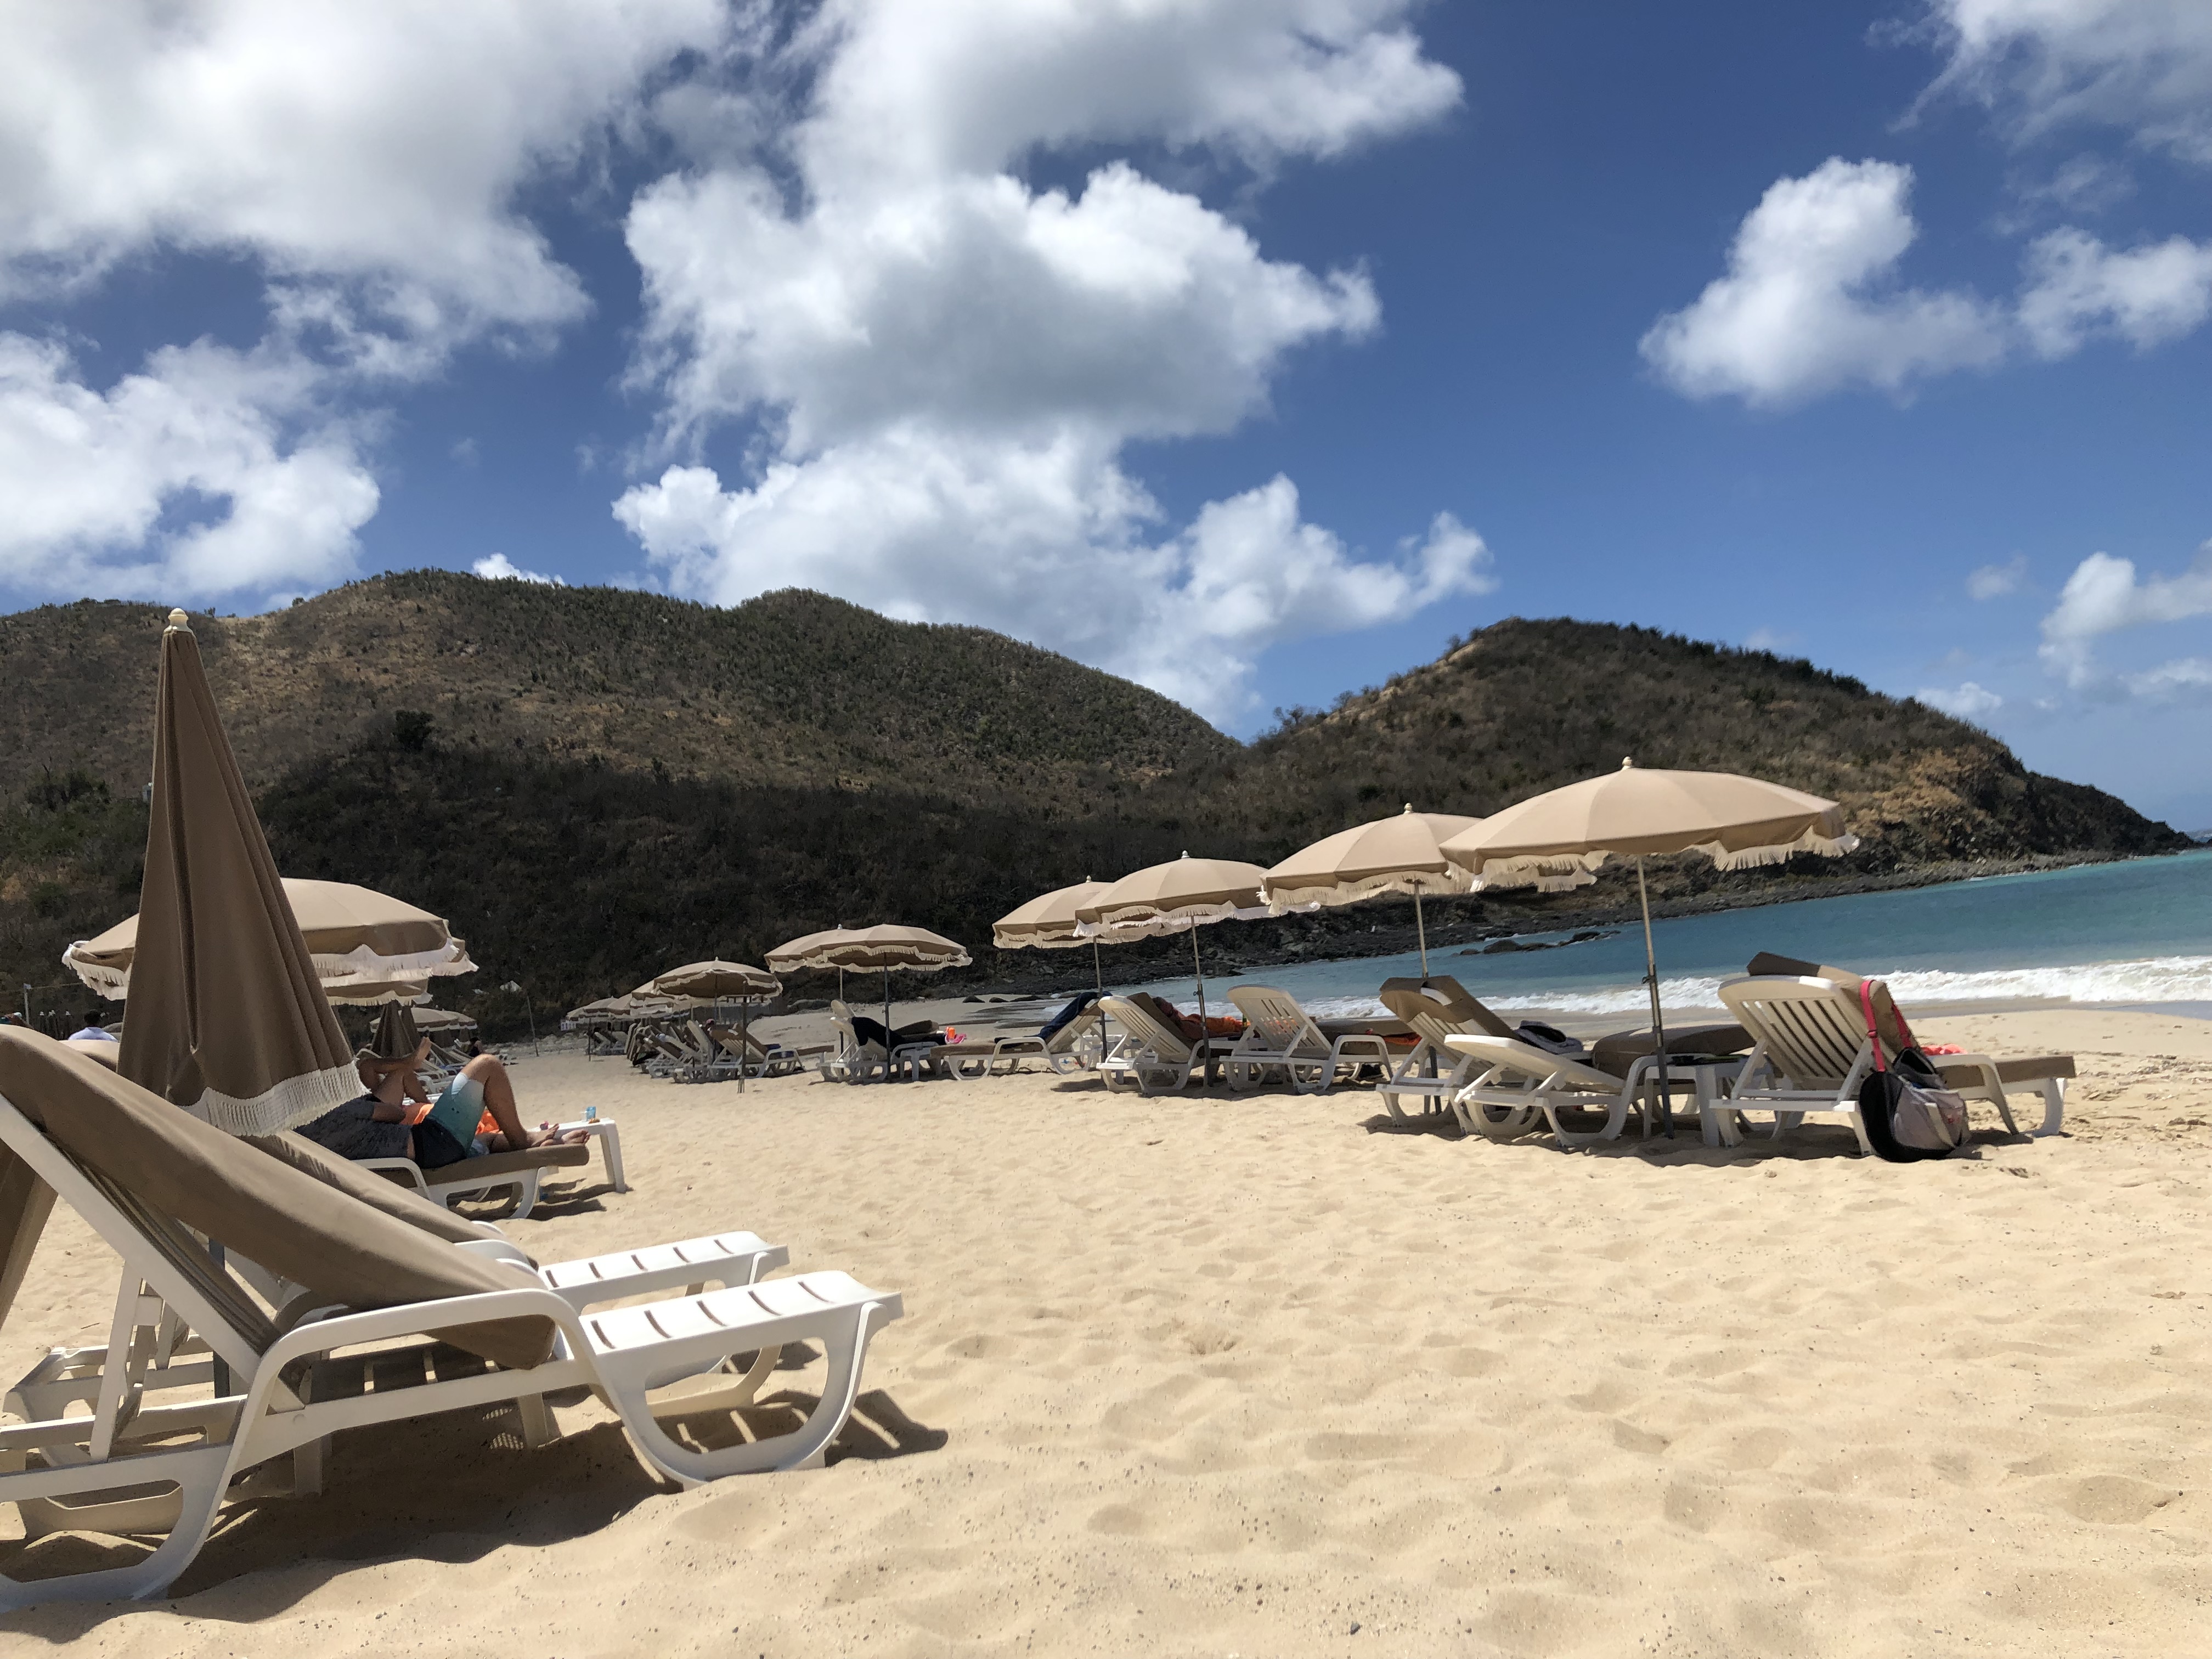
(595, 783)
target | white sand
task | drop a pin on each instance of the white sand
(1236, 1374)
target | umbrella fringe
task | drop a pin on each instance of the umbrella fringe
(294, 1101)
(1286, 901)
(1752, 858)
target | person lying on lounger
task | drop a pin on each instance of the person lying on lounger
(396, 1117)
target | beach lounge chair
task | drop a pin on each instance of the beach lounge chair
(1974, 1075)
(1515, 1080)
(741, 1050)
(857, 1061)
(1280, 1039)
(472, 1177)
(448, 1329)
(1436, 1012)
(1150, 1055)
(1061, 1052)
(1811, 1052)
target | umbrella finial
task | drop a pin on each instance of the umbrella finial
(1628, 763)
(177, 619)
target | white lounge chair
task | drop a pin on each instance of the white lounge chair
(1062, 1052)
(2048, 1074)
(1811, 1052)
(1150, 1056)
(472, 1177)
(145, 1176)
(1281, 1038)
(1434, 1011)
(1516, 1081)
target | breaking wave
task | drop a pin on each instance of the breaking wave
(2157, 979)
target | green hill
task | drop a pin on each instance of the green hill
(595, 783)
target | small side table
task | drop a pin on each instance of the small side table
(610, 1139)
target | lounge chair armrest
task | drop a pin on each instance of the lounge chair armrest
(409, 1171)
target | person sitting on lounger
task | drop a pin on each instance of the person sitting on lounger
(395, 1117)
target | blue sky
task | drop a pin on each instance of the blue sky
(1251, 348)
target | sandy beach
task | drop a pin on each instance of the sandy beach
(1263, 1375)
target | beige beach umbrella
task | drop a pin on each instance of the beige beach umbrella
(1398, 854)
(1184, 893)
(1047, 922)
(441, 1020)
(230, 1020)
(712, 982)
(351, 933)
(717, 981)
(366, 992)
(885, 946)
(1737, 822)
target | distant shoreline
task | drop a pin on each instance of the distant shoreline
(1380, 939)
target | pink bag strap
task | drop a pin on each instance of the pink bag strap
(1904, 1031)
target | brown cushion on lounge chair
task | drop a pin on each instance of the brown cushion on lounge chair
(1618, 1053)
(2023, 1068)
(369, 1186)
(263, 1207)
(496, 1163)
(1447, 998)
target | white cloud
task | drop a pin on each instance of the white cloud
(497, 567)
(374, 150)
(116, 493)
(2185, 677)
(1994, 582)
(2077, 287)
(1047, 544)
(1970, 702)
(2103, 596)
(1769, 639)
(1808, 305)
(947, 363)
(364, 163)
(2144, 66)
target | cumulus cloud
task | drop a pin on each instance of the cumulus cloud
(1994, 582)
(1970, 702)
(2077, 287)
(365, 162)
(2103, 596)
(2142, 66)
(1808, 302)
(1048, 543)
(497, 567)
(2185, 677)
(209, 472)
(943, 363)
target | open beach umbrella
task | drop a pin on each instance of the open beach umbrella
(885, 946)
(441, 1020)
(712, 982)
(1737, 822)
(1168, 898)
(1048, 922)
(717, 981)
(1397, 854)
(359, 992)
(351, 933)
(228, 1020)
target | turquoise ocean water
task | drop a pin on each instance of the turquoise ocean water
(2135, 931)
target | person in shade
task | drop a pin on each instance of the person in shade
(396, 1117)
(93, 1031)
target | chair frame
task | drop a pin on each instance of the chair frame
(1279, 1035)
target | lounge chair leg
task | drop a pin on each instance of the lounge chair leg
(538, 1428)
(2054, 1105)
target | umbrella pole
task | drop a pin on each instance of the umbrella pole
(1658, 1022)
(1421, 929)
(1204, 1039)
(887, 1025)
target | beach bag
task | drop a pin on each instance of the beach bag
(1908, 1113)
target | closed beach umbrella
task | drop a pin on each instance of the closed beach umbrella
(1167, 898)
(885, 947)
(1399, 854)
(230, 1020)
(1737, 822)
(351, 933)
